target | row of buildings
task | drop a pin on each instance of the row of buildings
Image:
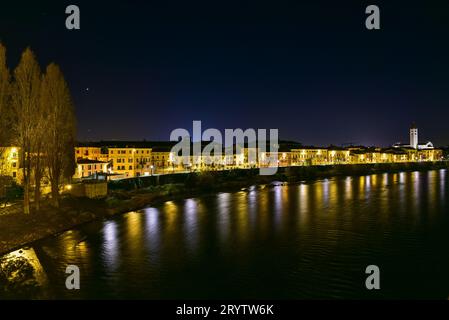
(135, 159)
(124, 159)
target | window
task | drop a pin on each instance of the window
(130, 167)
(14, 164)
(14, 174)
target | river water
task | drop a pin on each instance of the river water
(307, 240)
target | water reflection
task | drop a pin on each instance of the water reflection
(303, 203)
(443, 182)
(283, 241)
(278, 204)
(110, 245)
(190, 224)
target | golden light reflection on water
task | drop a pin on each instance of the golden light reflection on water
(374, 180)
(432, 195)
(317, 188)
(361, 185)
(242, 214)
(223, 219)
(263, 211)
(83, 251)
(443, 174)
(334, 186)
(171, 211)
(303, 203)
(133, 221)
(252, 206)
(309, 221)
(416, 189)
(348, 189)
(241, 223)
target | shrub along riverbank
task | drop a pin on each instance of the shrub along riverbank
(17, 229)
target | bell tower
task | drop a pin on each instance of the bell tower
(414, 136)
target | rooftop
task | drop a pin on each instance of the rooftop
(88, 161)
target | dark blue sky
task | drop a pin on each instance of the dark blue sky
(311, 70)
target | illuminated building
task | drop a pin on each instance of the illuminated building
(9, 162)
(307, 156)
(88, 152)
(124, 159)
(130, 161)
(86, 168)
(414, 141)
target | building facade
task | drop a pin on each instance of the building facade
(130, 161)
(90, 169)
(126, 159)
(9, 162)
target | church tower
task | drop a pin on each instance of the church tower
(414, 136)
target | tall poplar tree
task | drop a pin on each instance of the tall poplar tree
(25, 105)
(5, 112)
(60, 129)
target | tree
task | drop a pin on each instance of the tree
(60, 129)
(5, 110)
(40, 130)
(25, 105)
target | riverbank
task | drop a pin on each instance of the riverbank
(18, 230)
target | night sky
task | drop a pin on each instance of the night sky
(139, 69)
